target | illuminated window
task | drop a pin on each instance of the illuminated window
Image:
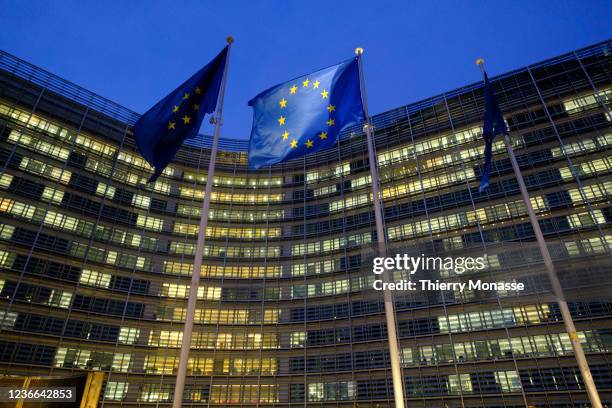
(223, 232)
(343, 390)
(228, 271)
(573, 148)
(141, 201)
(161, 187)
(7, 319)
(52, 195)
(297, 339)
(133, 160)
(100, 167)
(588, 101)
(17, 209)
(39, 145)
(94, 145)
(458, 383)
(129, 335)
(233, 181)
(151, 223)
(198, 194)
(593, 192)
(350, 202)
(93, 278)
(335, 172)
(5, 180)
(175, 290)
(69, 358)
(154, 392)
(6, 231)
(250, 394)
(121, 362)
(312, 268)
(235, 215)
(46, 170)
(6, 205)
(115, 390)
(585, 219)
(226, 251)
(105, 190)
(60, 298)
(509, 381)
(597, 166)
(7, 259)
(111, 257)
(331, 244)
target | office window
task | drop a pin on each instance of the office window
(150, 223)
(5, 180)
(105, 190)
(129, 335)
(141, 201)
(116, 390)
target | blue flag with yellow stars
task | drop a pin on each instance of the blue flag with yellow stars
(493, 125)
(305, 115)
(161, 131)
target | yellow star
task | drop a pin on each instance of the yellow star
(315, 84)
(281, 121)
(309, 143)
(305, 83)
(285, 135)
(323, 135)
(196, 106)
(293, 144)
(186, 96)
(175, 109)
(331, 108)
(186, 119)
(171, 125)
(198, 90)
(283, 103)
(293, 89)
(330, 122)
(324, 94)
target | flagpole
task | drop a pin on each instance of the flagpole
(570, 328)
(197, 264)
(396, 370)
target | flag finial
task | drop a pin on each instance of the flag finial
(480, 63)
(229, 39)
(358, 50)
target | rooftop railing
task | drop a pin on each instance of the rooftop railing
(113, 110)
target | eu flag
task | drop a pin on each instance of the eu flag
(160, 132)
(305, 115)
(493, 125)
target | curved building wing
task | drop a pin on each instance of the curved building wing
(95, 264)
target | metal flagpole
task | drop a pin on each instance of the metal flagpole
(570, 328)
(396, 370)
(197, 264)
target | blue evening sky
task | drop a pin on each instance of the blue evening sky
(135, 52)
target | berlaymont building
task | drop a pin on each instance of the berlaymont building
(95, 264)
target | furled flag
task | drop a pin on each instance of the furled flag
(493, 125)
(305, 115)
(160, 132)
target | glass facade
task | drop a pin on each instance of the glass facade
(95, 264)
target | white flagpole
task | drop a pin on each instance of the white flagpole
(570, 328)
(396, 369)
(197, 264)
